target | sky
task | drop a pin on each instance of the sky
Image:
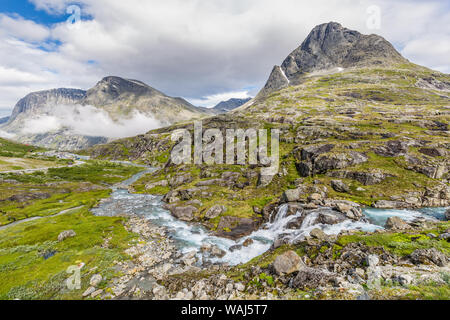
(205, 51)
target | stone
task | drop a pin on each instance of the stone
(66, 234)
(311, 278)
(96, 293)
(404, 279)
(215, 211)
(429, 256)
(239, 287)
(387, 204)
(217, 252)
(95, 280)
(287, 263)
(183, 213)
(315, 197)
(88, 291)
(339, 186)
(247, 242)
(372, 260)
(447, 215)
(291, 195)
(396, 223)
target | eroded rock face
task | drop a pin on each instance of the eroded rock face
(287, 263)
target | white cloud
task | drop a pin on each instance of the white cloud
(213, 100)
(16, 26)
(91, 121)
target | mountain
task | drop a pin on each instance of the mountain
(4, 120)
(231, 104)
(120, 98)
(357, 122)
(331, 47)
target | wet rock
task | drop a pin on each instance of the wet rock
(66, 234)
(287, 263)
(217, 252)
(95, 280)
(429, 256)
(396, 223)
(215, 211)
(318, 234)
(339, 186)
(366, 178)
(330, 217)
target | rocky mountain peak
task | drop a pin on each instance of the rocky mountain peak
(329, 46)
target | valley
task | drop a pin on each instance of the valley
(359, 208)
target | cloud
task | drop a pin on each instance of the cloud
(197, 48)
(213, 100)
(7, 135)
(90, 121)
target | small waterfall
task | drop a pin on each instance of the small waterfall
(191, 237)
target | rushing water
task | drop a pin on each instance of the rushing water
(190, 237)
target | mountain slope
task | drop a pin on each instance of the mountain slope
(119, 99)
(330, 46)
(231, 104)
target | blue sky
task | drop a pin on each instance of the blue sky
(202, 50)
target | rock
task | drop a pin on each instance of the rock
(396, 223)
(183, 213)
(404, 279)
(215, 211)
(386, 204)
(339, 186)
(206, 247)
(95, 280)
(180, 179)
(88, 291)
(315, 197)
(247, 242)
(264, 180)
(291, 195)
(447, 215)
(372, 260)
(232, 227)
(393, 148)
(318, 234)
(444, 236)
(239, 287)
(217, 252)
(287, 263)
(433, 152)
(311, 278)
(66, 234)
(96, 293)
(429, 256)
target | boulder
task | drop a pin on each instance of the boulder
(387, 204)
(396, 223)
(215, 211)
(248, 242)
(447, 215)
(180, 179)
(292, 195)
(318, 234)
(287, 263)
(217, 252)
(429, 256)
(66, 234)
(339, 186)
(311, 278)
(95, 280)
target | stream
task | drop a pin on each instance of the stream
(189, 237)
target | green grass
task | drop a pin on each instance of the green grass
(25, 274)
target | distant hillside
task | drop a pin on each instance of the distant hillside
(225, 106)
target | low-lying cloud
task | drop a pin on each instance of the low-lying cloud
(90, 121)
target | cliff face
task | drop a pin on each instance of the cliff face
(331, 46)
